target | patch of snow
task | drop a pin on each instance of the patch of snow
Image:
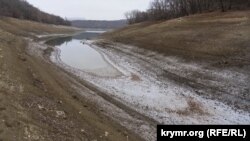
(164, 101)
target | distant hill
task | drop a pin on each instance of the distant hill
(99, 24)
(21, 9)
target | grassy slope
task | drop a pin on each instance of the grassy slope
(213, 36)
(29, 28)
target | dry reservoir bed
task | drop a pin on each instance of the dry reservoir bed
(143, 88)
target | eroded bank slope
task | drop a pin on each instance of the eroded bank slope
(37, 101)
(196, 48)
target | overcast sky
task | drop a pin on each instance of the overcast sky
(90, 9)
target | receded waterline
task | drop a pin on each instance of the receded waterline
(83, 57)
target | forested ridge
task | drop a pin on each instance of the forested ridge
(21, 9)
(169, 9)
(99, 24)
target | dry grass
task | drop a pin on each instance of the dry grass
(29, 28)
(193, 108)
(135, 77)
(37, 101)
(212, 36)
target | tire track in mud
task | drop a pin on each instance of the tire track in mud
(82, 84)
(75, 81)
(204, 90)
(45, 85)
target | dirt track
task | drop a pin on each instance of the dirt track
(48, 102)
(155, 89)
(38, 101)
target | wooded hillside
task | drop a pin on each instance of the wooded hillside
(99, 24)
(169, 9)
(21, 9)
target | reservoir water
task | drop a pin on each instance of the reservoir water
(74, 53)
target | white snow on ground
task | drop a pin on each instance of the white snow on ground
(49, 35)
(164, 101)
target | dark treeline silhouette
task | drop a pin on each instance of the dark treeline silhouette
(168, 9)
(98, 24)
(59, 41)
(23, 10)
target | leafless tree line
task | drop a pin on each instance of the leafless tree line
(168, 9)
(21, 9)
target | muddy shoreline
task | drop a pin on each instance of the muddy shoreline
(129, 118)
(197, 105)
(201, 78)
(40, 101)
(55, 56)
(91, 107)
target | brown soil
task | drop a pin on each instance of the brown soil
(221, 39)
(37, 101)
(215, 41)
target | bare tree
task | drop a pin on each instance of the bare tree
(222, 6)
(167, 9)
(23, 10)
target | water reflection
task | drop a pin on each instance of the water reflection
(88, 35)
(81, 56)
(59, 41)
